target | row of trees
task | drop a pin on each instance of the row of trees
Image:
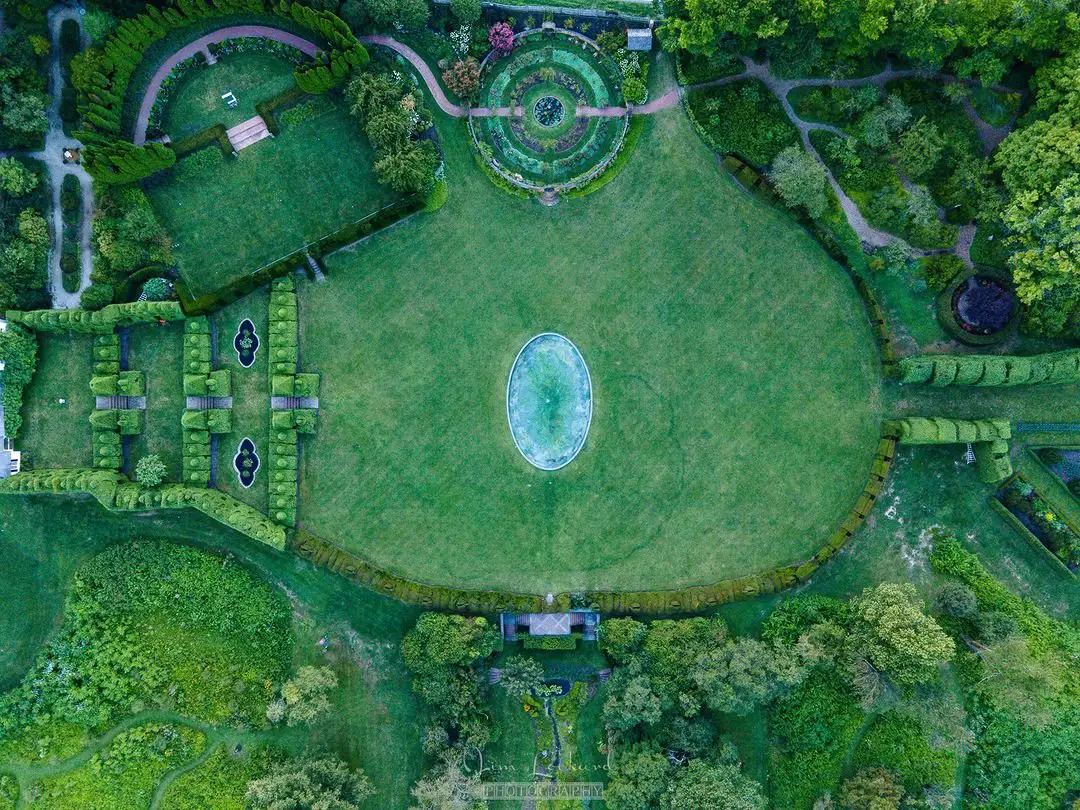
(24, 235)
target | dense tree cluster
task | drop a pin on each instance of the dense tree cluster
(24, 235)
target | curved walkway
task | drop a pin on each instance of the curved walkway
(201, 45)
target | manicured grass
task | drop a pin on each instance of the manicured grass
(251, 398)
(56, 434)
(252, 77)
(735, 406)
(272, 199)
(158, 352)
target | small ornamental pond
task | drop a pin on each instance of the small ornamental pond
(246, 462)
(549, 401)
(246, 343)
(983, 305)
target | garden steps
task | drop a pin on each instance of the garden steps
(209, 403)
(120, 403)
(248, 132)
(292, 403)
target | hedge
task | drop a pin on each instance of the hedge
(130, 422)
(939, 430)
(302, 420)
(879, 324)
(1056, 368)
(307, 385)
(689, 599)
(266, 109)
(196, 449)
(993, 461)
(18, 351)
(105, 385)
(549, 642)
(103, 320)
(115, 492)
(106, 354)
(215, 134)
(131, 384)
(284, 355)
(197, 355)
(1018, 526)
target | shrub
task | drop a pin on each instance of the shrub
(956, 599)
(306, 420)
(800, 180)
(104, 386)
(96, 296)
(501, 38)
(634, 90)
(743, 118)
(130, 422)
(150, 471)
(18, 351)
(131, 383)
(463, 77)
(306, 385)
(156, 289)
(940, 269)
(219, 421)
(549, 642)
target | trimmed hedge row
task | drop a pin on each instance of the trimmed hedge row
(197, 350)
(939, 430)
(116, 493)
(992, 460)
(196, 450)
(217, 133)
(106, 354)
(1055, 368)
(126, 421)
(266, 109)
(284, 357)
(108, 452)
(339, 561)
(123, 383)
(683, 600)
(212, 420)
(101, 321)
(342, 237)
(549, 642)
(880, 326)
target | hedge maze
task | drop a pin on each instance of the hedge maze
(1057, 368)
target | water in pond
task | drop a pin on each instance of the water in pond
(549, 401)
(246, 462)
(246, 343)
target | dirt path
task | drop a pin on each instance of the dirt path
(201, 45)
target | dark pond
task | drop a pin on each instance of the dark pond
(246, 462)
(983, 305)
(246, 343)
(561, 684)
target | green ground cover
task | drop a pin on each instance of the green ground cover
(219, 783)
(251, 398)
(272, 199)
(196, 104)
(709, 455)
(158, 352)
(44, 539)
(743, 118)
(55, 433)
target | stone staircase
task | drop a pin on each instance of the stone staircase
(245, 134)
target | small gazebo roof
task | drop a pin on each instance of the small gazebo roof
(639, 39)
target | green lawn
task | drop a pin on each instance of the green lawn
(158, 352)
(196, 104)
(270, 200)
(736, 403)
(55, 433)
(251, 398)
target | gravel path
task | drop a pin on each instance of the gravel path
(201, 45)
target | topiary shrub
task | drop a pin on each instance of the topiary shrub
(157, 289)
(150, 471)
(96, 296)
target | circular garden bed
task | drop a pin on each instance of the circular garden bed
(979, 308)
(545, 144)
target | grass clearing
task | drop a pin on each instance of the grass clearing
(709, 455)
(270, 200)
(158, 352)
(57, 433)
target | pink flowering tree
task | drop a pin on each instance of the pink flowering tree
(501, 38)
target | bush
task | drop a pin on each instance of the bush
(18, 351)
(956, 599)
(940, 269)
(550, 642)
(156, 289)
(634, 90)
(743, 118)
(306, 420)
(150, 470)
(96, 296)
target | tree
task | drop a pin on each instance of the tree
(634, 90)
(15, 178)
(409, 169)
(520, 675)
(745, 673)
(872, 789)
(880, 125)
(466, 11)
(800, 180)
(150, 470)
(23, 112)
(890, 635)
(701, 785)
(98, 24)
(956, 599)
(631, 702)
(447, 787)
(22, 265)
(156, 289)
(304, 699)
(621, 639)
(639, 775)
(1015, 679)
(501, 38)
(389, 128)
(919, 149)
(463, 77)
(404, 13)
(323, 782)
(33, 227)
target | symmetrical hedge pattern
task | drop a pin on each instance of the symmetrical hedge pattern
(200, 380)
(106, 354)
(939, 430)
(1056, 368)
(102, 321)
(115, 492)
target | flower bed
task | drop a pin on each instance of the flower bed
(1037, 516)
